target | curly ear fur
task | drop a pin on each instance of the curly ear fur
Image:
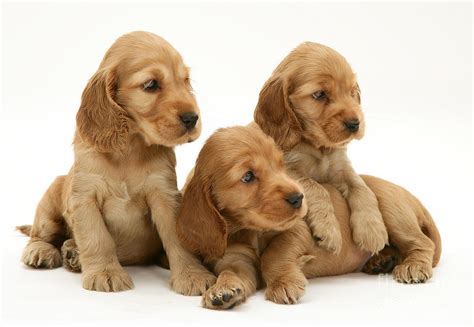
(101, 122)
(200, 226)
(274, 113)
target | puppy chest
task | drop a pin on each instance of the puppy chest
(117, 209)
(316, 168)
(124, 205)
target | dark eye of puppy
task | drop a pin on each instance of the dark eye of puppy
(248, 177)
(319, 95)
(151, 85)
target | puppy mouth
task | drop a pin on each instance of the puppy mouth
(189, 135)
(339, 139)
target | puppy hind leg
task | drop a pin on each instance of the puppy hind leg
(416, 249)
(48, 230)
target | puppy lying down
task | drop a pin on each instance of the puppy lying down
(239, 204)
(238, 191)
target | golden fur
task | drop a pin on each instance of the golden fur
(230, 224)
(222, 217)
(307, 106)
(120, 198)
(313, 135)
(292, 257)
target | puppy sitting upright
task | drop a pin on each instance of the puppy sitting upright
(311, 107)
(120, 198)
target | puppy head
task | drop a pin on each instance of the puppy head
(142, 86)
(239, 182)
(313, 96)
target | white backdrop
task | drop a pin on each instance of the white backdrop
(415, 71)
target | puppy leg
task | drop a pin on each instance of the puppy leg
(101, 270)
(417, 251)
(320, 217)
(70, 255)
(404, 219)
(237, 278)
(282, 263)
(368, 228)
(188, 275)
(48, 230)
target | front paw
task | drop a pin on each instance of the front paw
(284, 292)
(326, 232)
(368, 230)
(192, 280)
(112, 278)
(41, 255)
(223, 296)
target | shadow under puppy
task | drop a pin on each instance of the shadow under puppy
(239, 189)
(120, 199)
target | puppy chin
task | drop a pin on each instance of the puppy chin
(360, 134)
(339, 139)
(152, 137)
(193, 135)
(286, 224)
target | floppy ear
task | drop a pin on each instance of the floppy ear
(274, 113)
(200, 226)
(101, 122)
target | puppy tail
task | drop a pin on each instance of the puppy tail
(24, 229)
(429, 228)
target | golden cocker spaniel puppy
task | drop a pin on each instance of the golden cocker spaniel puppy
(311, 107)
(120, 199)
(239, 189)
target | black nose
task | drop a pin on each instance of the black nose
(295, 199)
(352, 125)
(189, 119)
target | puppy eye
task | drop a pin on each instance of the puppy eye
(151, 85)
(319, 95)
(248, 177)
